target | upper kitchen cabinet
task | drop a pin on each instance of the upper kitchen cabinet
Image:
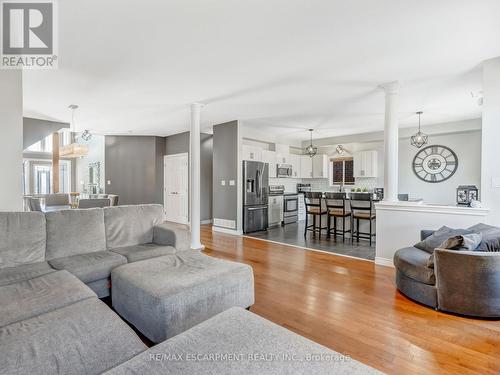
(365, 164)
(320, 165)
(295, 163)
(251, 153)
(306, 166)
(270, 158)
(283, 154)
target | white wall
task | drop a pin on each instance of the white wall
(11, 140)
(96, 154)
(491, 135)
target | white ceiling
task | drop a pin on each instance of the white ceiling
(282, 66)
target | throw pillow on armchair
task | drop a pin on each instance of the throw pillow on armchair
(465, 242)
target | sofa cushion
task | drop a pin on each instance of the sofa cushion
(72, 232)
(438, 237)
(131, 225)
(42, 294)
(491, 237)
(412, 262)
(89, 267)
(86, 337)
(22, 238)
(141, 252)
(245, 338)
(24, 272)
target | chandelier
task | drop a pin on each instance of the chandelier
(311, 150)
(73, 150)
(419, 139)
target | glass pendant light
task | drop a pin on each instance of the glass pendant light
(419, 139)
(74, 149)
(311, 150)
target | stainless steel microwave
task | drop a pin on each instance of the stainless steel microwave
(284, 170)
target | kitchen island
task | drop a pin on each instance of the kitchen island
(399, 224)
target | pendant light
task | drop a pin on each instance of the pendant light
(311, 150)
(73, 150)
(419, 139)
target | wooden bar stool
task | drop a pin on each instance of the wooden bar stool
(336, 205)
(362, 209)
(314, 207)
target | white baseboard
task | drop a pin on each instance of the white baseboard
(234, 232)
(208, 221)
(384, 262)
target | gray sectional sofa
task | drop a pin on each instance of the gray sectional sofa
(88, 243)
(53, 268)
(462, 282)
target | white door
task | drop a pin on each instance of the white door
(176, 188)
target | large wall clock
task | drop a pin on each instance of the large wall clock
(435, 163)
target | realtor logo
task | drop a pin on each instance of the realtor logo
(28, 34)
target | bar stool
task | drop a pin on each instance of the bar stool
(336, 205)
(362, 209)
(314, 207)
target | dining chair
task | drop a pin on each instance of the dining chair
(337, 206)
(362, 209)
(93, 203)
(315, 208)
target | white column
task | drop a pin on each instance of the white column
(489, 192)
(11, 140)
(391, 140)
(195, 176)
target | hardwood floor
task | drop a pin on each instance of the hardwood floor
(352, 307)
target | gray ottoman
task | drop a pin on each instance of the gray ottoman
(165, 296)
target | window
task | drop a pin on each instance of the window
(38, 176)
(342, 171)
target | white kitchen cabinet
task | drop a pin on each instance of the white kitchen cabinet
(251, 153)
(275, 210)
(306, 166)
(302, 207)
(321, 165)
(270, 158)
(365, 164)
(295, 162)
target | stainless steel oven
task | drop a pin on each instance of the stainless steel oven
(284, 170)
(290, 208)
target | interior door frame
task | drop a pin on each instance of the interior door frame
(165, 158)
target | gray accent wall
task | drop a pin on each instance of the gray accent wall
(225, 167)
(134, 168)
(178, 144)
(35, 130)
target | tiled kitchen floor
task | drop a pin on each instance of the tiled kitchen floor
(293, 234)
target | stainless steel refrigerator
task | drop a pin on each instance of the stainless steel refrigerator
(255, 196)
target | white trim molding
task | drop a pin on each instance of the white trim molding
(384, 262)
(234, 232)
(431, 208)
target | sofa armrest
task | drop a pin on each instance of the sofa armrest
(426, 233)
(468, 282)
(174, 235)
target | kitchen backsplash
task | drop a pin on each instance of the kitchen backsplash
(322, 184)
(289, 183)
